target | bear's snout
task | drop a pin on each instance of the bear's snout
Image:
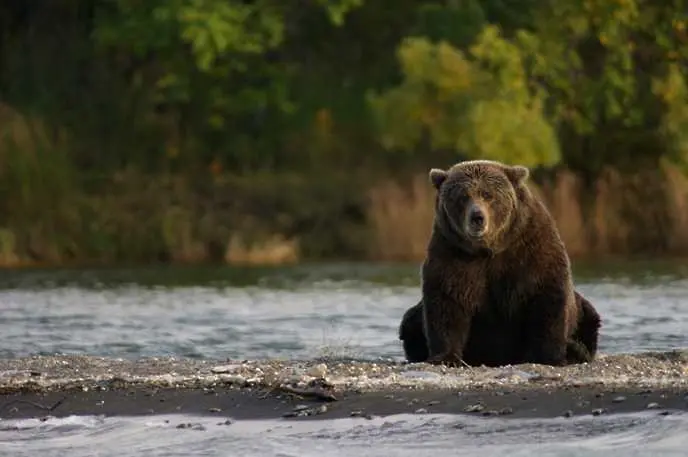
(476, 220)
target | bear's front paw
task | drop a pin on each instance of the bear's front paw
(576, 352)
(450, 359)
(555, 358)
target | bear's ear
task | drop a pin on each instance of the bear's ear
(517, 174)
(437, 177)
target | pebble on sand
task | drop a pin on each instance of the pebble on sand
(61, 373)
(317, 371)
(626, 370)
(474, 408)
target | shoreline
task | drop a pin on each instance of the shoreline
(59, 386)
(249, 404)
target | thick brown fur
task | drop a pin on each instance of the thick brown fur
(496, 289)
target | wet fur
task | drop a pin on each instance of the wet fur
(507, 298)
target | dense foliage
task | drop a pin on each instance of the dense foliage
(90, 88)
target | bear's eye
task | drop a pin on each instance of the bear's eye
(487, 195)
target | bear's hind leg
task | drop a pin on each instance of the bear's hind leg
(587, 330)
(412, 335)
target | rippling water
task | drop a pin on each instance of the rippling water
(291, 313)
(305, 312)
(395, 436)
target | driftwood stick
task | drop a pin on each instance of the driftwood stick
(35, 404)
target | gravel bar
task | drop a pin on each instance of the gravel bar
(240, 389)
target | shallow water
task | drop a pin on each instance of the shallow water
(395, 436)
(288, 313)
(305, 312)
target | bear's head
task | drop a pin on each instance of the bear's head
(478, 202)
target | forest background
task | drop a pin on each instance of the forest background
(274, 131)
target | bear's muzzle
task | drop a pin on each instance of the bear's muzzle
(476, 221)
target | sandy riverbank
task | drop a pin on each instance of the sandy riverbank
(64, 385)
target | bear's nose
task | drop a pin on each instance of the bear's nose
(476, 217)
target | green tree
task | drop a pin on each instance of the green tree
(479, 104)
(215, 67)
(585, 81)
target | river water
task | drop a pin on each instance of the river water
(303, 312)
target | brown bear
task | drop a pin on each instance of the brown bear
(582, 348)
(497, 287)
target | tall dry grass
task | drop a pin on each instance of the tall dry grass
(620, 215)
(562, 199)
(49, 216)
(36, 187)
(400, 218)
(276, 250)
(676, 187)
